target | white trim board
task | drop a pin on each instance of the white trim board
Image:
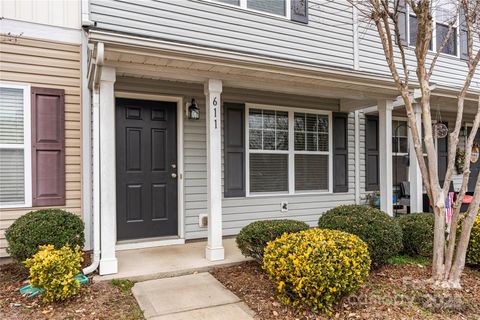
(180, 162)
(26, 146)
(147, 243)
(40, 31)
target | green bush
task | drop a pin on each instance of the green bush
(253, 238)
(473, 252)
(55, 271)
(417, 233)
(315, 268)
(381, 232)
(42, 227)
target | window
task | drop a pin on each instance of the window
(445, 12)
(268, 144)
(400, 151)
(274, 7)
(311, 151)
(15, 153)
(288, 151)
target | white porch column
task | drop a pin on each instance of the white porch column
(108, 208)
(416, 182)
(385, 108)
(214, 250)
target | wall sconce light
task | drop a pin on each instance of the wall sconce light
(193, 112)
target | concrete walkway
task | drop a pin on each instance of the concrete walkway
(170, 261)
(197, 296)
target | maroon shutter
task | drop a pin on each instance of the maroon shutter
(48, 147)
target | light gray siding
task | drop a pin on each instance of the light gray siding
(449, 70)
(237, 212)
(327, 39)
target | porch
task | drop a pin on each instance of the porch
(171, 261)
(128, 78)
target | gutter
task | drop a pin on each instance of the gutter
(96, 161)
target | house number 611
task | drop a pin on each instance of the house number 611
(214, 102)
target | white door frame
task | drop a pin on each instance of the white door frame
(148, 243)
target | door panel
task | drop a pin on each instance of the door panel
(146, 144)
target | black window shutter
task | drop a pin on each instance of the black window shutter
(442, 154)
(340, 152)
(299, 11)
(234, 148)
(402, 22)
(372, 179)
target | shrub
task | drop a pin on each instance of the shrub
(315, 268)
(417, 233)
(54, 271)
(253, 238)
(381, 232)
(473, 252)
(42, 227)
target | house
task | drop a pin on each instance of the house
(207, 115)
(41, 98)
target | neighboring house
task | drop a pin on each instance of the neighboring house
(207, 115)
(40, 108)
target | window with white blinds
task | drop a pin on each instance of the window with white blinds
(15, 171)
(287, 151)
(275, 7)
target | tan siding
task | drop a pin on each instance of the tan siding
(49, 65)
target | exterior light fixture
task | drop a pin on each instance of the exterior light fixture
(193, 112)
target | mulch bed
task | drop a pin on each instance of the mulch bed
(392, 292)
(97, 300)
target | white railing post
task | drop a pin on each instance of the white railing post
(385, 108)
(108, 204)
(416, 182)
(214, 250)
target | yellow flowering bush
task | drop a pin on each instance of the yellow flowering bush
(315, 268)
(55, 271)
(473, 252)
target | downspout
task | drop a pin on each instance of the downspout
(357, 157)
(96, 160)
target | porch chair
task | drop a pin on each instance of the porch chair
(404, 199)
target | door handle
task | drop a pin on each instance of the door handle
(174, 175)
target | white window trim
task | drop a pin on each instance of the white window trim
(434, 34)
(27, 146)
(291, 151)
(243, 6)
(402, 119)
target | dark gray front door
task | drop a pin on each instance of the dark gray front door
(474, 167)
(146, 144)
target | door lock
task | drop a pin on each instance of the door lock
(174, 175)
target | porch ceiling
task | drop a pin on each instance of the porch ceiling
(150, 65)
(156, 59)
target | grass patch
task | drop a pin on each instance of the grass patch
(404, 259)
(123, 285)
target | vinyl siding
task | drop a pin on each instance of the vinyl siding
(327, 39)
(449, 70)
(60, 13)
(49, 65)
(237, 212)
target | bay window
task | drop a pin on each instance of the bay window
(15, 170)
(288, 151)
